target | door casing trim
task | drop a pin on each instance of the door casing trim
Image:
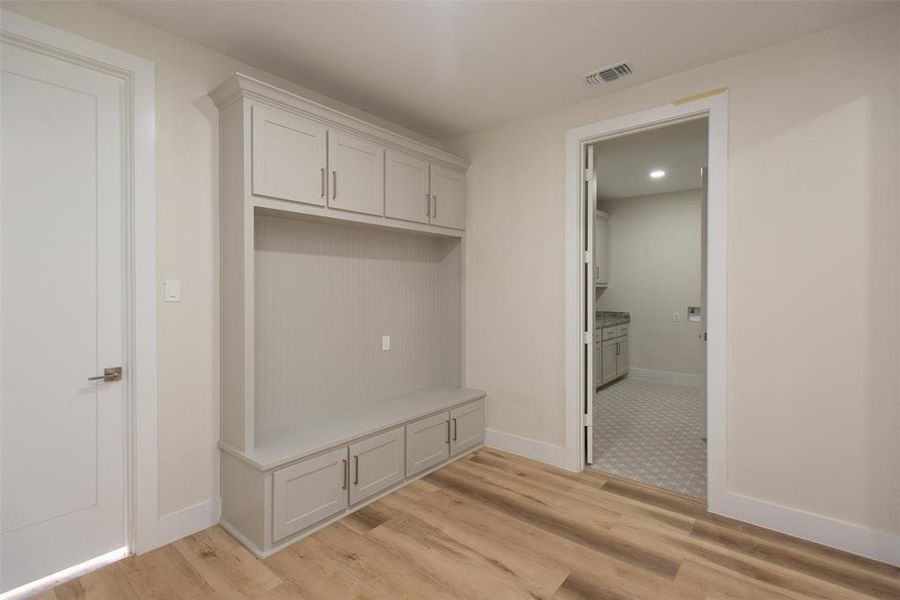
(138, 76)
(715, 109)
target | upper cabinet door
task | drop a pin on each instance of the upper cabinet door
(288, 156)
(357, 174)
(448, 197)
(406, 187)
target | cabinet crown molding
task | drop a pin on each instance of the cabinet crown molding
(243, 86)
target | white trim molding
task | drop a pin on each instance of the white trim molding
(138, 77)
(878, 545)
(186, 521)
(550, 454)
(665, 376)
(715, 108)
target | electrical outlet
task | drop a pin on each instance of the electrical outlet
(385, 342)
(676, 317)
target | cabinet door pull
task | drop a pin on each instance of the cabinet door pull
(434, 212)
(448, 432)
(454, 430)
(356, 469)
(617, 348)
(427, 206)
(334, 185)
(346, 477)
(322, 171)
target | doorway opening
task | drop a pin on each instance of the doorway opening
(645, 226)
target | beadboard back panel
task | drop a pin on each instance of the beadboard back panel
(327, 293)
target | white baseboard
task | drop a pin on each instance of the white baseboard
(665, 376)
(856, 539)
(184, 522)
(878, 545)
(528, 448)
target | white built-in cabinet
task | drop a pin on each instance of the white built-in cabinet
(424, 192)
(448, 197)
(406, 185)
(427, 442)
(288, 154)
(357, 174)
(613, 354)
(314, 200)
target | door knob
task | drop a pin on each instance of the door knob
(109, 374)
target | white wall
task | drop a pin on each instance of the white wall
(654, 271)
(813, 398)
(187, 199)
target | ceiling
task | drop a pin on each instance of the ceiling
(449, 68)
(623, 164)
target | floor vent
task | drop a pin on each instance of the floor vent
(608, 74)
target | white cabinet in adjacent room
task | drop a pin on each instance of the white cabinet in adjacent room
(448, 197)
(608, 362)
(288, 154)
(357, 174)
(308, 492)
(376, 464)
(406, 187)
(622, 357)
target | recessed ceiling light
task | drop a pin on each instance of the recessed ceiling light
(657, 174)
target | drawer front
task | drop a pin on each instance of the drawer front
(427, 442)
(467, 427)
(376, 464)
(308, 492)
(621, 330)
(609, 333)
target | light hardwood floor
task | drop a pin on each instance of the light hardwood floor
(497, 526)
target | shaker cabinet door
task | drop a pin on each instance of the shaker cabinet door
(288, 156)
(406, 187)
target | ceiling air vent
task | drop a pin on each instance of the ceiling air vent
(607, 74)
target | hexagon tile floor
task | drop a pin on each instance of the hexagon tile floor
(651, 432)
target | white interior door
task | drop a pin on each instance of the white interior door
(704, 175)
(62, 483)
(590, 207)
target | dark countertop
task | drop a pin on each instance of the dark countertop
(607, 318)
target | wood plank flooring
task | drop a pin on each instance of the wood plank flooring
(496, 526)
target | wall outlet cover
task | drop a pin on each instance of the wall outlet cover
(385, 342)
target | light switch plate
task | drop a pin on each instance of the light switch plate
(172, 290)
(385, 342)
(676, 317)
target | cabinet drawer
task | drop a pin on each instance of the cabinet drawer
(308, 492)
(427, 442)
(467, 427)
(621, 330)
(609, 333)
(376, 464)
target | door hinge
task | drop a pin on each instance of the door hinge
(587, 174)
(587, 257)
(587, 337)
(586, 420)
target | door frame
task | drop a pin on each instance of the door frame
(139, 232)
(714, 106)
